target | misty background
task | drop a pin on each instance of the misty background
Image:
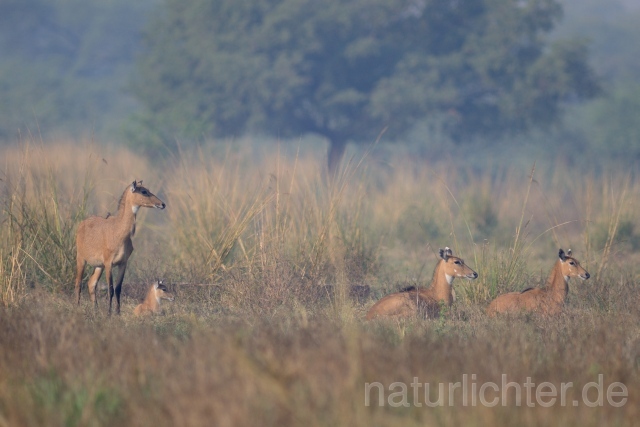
(152, 74)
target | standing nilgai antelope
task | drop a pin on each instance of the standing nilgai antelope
(151, 304)
(547, 300)
(105, 243)
(429, 301)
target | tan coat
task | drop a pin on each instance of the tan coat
(430, 300)
(104, 243)
(547, 300)
(151, 304)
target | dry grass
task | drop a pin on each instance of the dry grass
(261, 253)
(70, 366)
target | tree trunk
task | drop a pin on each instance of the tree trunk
(336, 152)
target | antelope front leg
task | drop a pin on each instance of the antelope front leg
(108, 273)
(92, 284)
(121, 271)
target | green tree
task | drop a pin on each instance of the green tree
(608, 126)
(614, 35)
(345, 69)
(63, 63)
(611, 124)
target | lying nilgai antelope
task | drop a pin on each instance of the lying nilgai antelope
(151, 304)
(547, 300)
(104, 243)
(428, 301)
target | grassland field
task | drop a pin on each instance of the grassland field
(261, 250)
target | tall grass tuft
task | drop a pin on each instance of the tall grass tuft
(603, 234)
(502, 269)
(41, 216)
(12, 274)
(212, 206)
(305, 244)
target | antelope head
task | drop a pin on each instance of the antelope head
(455, 267)
(161, 292)
(571, 267)
(142, 197)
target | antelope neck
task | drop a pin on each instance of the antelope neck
(126, 217)
(557, 283)
(441, 283)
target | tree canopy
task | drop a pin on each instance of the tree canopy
(63, 63)
(346, 69)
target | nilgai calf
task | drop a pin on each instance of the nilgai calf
(151, 304)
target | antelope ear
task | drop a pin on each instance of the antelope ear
(569, 252)
(562, 256)
(133, 186)
(448, 251)
(445, 253)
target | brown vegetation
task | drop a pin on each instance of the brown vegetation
(292, 370)
(264, 329)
